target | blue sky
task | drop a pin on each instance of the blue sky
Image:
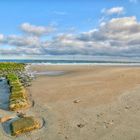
(81, 14)
(62, 29)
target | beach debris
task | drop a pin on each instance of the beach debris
(76, 101)
(80, 125)
(127, 107)
(66, 137)
(100, 115)
(111, 122)
(23, 125)
(108, 123)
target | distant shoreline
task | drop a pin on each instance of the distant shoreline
(72, 62)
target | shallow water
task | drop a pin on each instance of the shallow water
(49, 73)
(4, 94)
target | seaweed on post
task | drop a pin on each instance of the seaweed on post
(18, 98)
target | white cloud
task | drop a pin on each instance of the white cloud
(21, 41)
(36, 30)
(119, 37)
(1, 37)
(114, 10)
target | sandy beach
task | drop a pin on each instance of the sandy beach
(85, 103)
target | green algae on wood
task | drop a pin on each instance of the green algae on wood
(23, 125)
(10, 67)
(18, 98)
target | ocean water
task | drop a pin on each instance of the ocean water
(70, 62)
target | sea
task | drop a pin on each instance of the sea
(70, 62)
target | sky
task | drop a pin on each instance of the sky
(75, 29)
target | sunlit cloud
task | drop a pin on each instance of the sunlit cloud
(36, 30)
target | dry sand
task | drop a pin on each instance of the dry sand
(86, 103)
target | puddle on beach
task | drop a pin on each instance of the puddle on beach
(4, 94)
(49, 73)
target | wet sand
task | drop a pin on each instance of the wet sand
(86, 103)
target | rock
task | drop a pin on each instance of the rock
(107, 124)
(76, 101)
(66, 137)
(111, 122)
(127, 107)
(80, 125)
(12, 106)
(22, 125)
(21, 115)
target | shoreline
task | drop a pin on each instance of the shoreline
(73, 62)
(86, 64)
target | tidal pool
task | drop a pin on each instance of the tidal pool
(49, 73)
(4, 94)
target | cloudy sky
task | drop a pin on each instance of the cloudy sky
(62, 29)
